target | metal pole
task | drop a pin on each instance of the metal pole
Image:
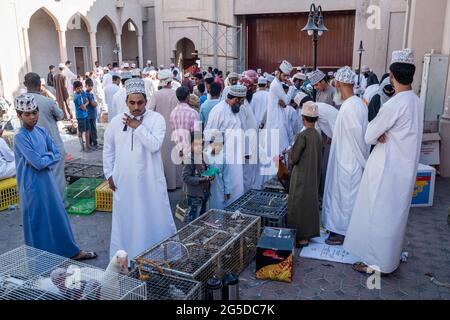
(360, 59)
(241, 49)
(315, 39)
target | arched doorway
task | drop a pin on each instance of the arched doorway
(130, 49)
(44, 42)
(185, 59)
(106, 41)
(78, 44)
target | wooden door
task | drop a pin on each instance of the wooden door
(274, 37)
(79, 61)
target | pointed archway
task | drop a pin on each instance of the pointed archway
(78, 44)
(44, 42)
(184, 58)
(130, 48)
(106, 41)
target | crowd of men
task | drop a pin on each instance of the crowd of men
(351, 145)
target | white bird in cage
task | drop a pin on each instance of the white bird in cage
(109, 279)
(91, 283)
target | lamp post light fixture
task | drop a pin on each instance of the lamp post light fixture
(315, 28)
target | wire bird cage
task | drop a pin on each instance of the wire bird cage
(167, 287)
(272, 207)
(77, 169)
(30, 274)
(274, 185)
(216, 244)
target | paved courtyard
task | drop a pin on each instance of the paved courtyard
(427, 242)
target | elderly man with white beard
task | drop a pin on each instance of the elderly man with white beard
(348, 156)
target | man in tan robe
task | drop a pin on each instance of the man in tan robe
(62, 94)
(163, 102)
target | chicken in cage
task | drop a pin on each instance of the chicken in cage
(30, 274)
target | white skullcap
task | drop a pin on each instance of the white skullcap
(299, 97)
(238, 91)
(345, 75)
(316, 76)
(286, 67)
(233, 75)
(299, 76)
(165, 76)
(403, 56)
(310, 109)
(262, 80)
(149, 61)
(133, 86)
(26, 103)
(61, 66)
(126, 65)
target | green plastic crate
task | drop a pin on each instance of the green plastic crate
(83, 188)
(83, 207)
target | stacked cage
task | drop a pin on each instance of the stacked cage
(274, 185)
(9, 195)
(216, 244)
(30, 274)
(272, 207)
(161, 286)
(81, 196)
(104, 197)
(77, 169)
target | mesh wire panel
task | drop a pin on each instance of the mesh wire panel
(71, 168)
(30, 274)
(162, 286)
(77, 169)
(272, 207)
(274, 185)
(216, 244)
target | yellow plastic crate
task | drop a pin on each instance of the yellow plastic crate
(104, 197)
(9, 195)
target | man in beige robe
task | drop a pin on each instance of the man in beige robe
(163, 102)
(62, 93)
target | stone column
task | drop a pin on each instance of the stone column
(140, 51)
(26, 45)
(93, 43)
(62, 45)
(119, 43)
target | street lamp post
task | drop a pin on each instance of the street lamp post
(360, 51)
(315, 29)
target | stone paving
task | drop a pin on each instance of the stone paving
(427, 242)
